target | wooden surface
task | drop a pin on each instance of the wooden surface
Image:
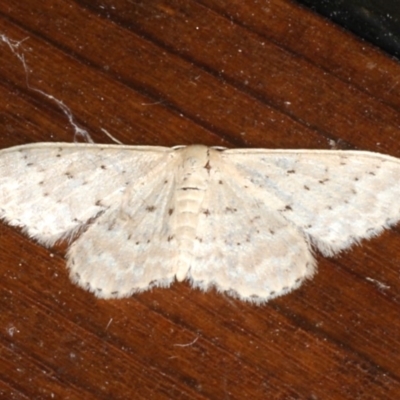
(235, 73)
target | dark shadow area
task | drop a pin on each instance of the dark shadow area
(374, 20)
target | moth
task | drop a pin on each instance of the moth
(244, 221)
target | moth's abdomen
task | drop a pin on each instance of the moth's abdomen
(192, 182)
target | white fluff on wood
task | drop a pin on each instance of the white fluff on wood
(242, 220)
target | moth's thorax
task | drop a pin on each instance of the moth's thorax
(193, 168)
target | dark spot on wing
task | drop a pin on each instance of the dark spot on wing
(150, 208)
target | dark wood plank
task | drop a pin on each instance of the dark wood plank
(233, 73)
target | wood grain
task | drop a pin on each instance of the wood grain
(237, 73)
